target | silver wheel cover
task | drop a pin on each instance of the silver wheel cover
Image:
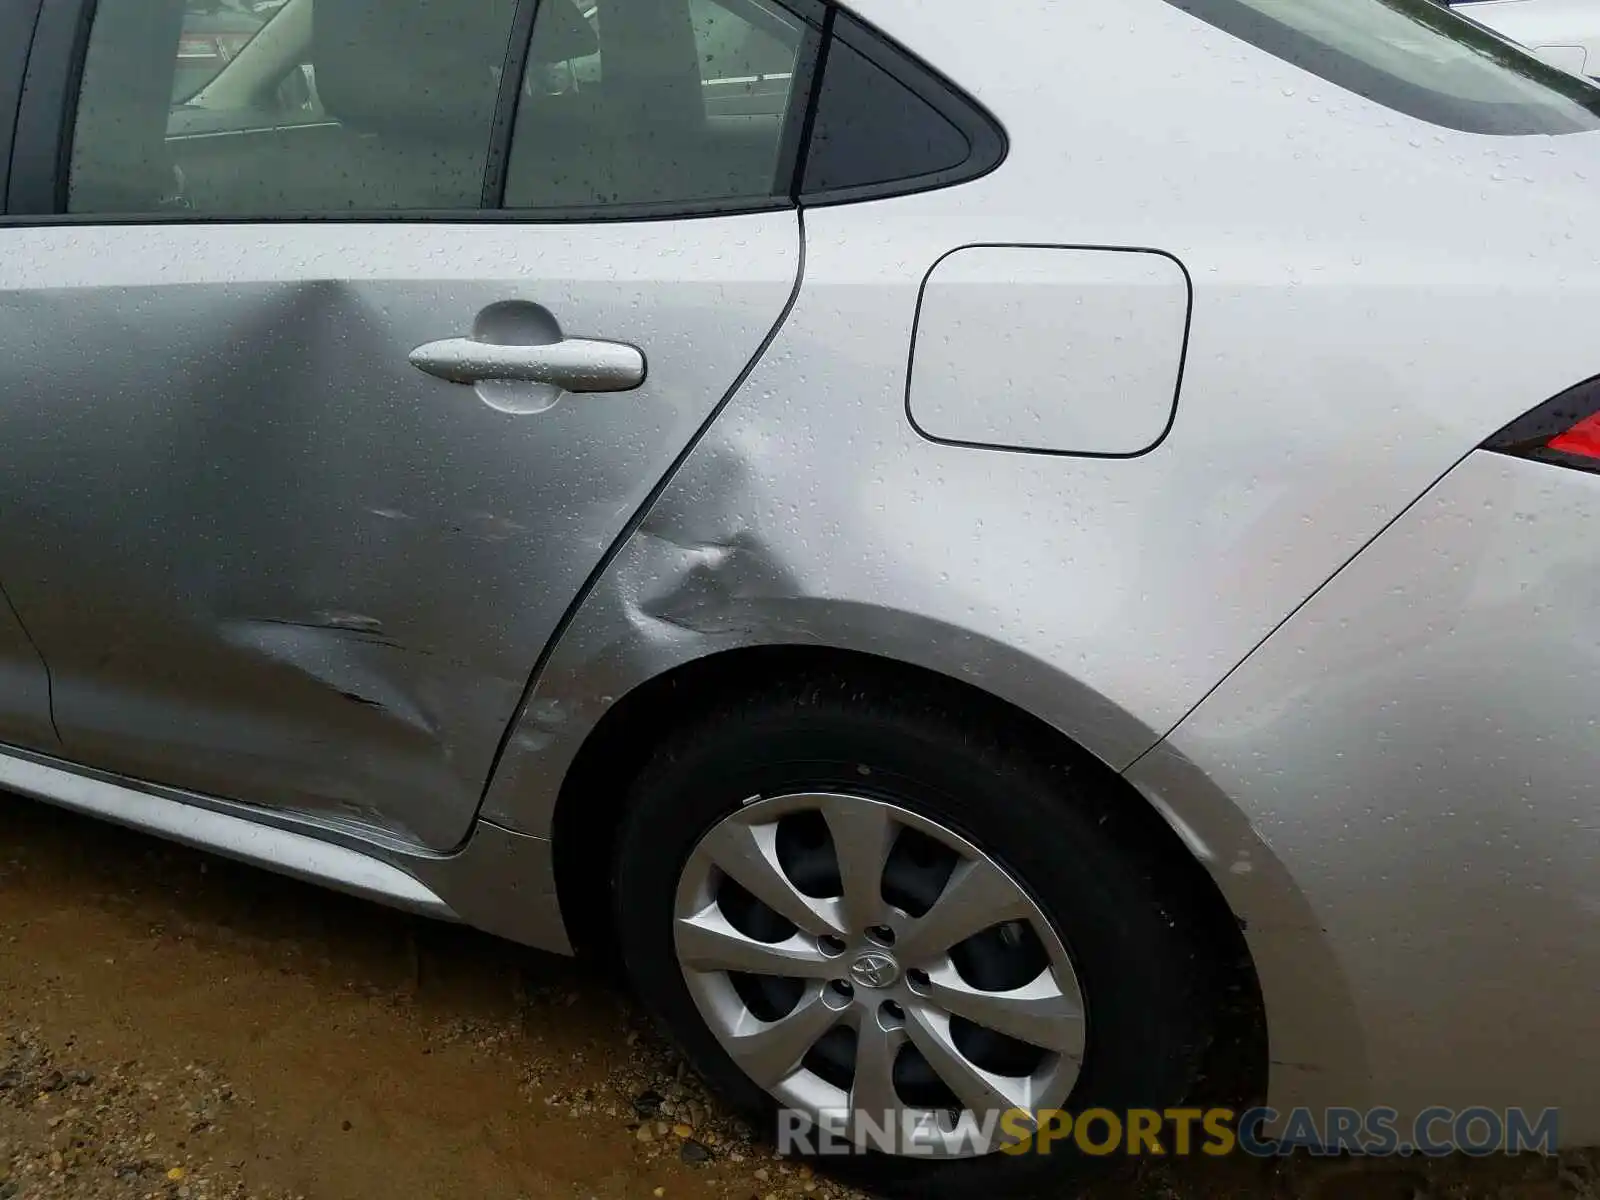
(887, 975)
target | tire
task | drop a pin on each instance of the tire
(1139, 963)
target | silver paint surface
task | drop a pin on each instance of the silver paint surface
(265, 557)
(271, 560)
(1420, 747)
(499, 881)
(287, 851)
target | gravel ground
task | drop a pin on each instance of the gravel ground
(178, 1027)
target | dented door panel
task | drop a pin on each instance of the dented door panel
(266, 557)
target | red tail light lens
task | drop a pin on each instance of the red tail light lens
(1564, 432)
(1582, 439)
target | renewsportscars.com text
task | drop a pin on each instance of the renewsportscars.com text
(1179, 1132)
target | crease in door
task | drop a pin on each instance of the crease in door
(732, 548)
(261, 629)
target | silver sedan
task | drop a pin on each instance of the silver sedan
(1001, 568)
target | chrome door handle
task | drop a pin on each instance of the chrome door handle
(572, 364)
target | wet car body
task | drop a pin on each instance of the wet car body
(1207, 459)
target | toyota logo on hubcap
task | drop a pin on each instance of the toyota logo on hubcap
(874, 970)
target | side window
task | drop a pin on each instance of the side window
(288, 108)
(213, 33)
(657, 102)
(886, 125)
(304, 107)
(737, 54)
(273, 89)
(734, 52)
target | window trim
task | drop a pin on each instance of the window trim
(492, 197)
(17, 22)
(672, 210)
(40, 151)
(817, 17)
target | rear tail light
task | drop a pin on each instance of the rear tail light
(1564, 431)
(1583, 439)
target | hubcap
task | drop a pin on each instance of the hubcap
(879, 974)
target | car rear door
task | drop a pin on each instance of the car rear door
(310, 453)
(24, 686)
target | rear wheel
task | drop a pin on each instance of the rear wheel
(899, 938)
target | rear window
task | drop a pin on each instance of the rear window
(1415, 56)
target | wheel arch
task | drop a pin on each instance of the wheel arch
(592, 795)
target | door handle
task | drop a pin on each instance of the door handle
(572, 364)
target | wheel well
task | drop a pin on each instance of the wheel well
(589, 811)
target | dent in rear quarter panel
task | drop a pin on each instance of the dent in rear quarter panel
(1420, 747)
(1347, 348)
(814, 514)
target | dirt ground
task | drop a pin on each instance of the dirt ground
(176, 1026)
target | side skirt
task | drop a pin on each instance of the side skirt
(501, 882)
